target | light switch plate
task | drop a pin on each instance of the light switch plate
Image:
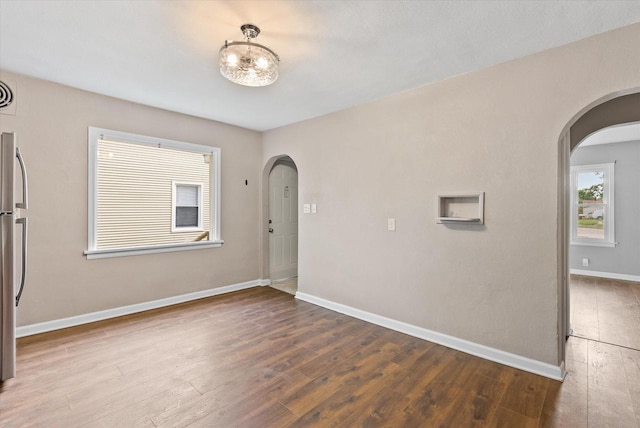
(314, 209)
(391, 224)
(306, 208)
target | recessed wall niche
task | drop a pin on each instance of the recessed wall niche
(461, 208)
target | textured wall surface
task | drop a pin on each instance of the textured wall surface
(51, 124)
(495, 130)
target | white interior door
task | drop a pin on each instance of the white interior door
(283, 227)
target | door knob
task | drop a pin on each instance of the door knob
(270, 230)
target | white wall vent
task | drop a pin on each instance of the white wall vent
(8, 97)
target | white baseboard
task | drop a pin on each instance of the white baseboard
(502, 357)
(43, 327)
(610, 275)
(482, 351)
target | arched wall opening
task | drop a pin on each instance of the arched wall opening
(265, 212)
(613, 109)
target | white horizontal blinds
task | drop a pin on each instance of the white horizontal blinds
(187, 214)
(134, 193)
(187, 195)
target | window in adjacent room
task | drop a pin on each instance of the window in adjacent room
(148, 194)
(592, 220)
(186, 207)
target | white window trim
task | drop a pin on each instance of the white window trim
(97, 134)
(174, 228)
(608, 202)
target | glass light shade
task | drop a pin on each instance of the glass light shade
(248, 64)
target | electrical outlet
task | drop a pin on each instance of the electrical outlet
(585, 262)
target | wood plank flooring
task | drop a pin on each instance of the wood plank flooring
(260, 358)
(606, 310)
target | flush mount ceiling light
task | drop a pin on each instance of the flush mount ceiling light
(247, 63)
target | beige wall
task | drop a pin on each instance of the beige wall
(494, 130)
(51, 124)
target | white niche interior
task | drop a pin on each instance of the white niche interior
(467, 208)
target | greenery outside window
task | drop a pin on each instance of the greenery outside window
(592, 208)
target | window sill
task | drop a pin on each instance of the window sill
(595, 243)
(138, 251)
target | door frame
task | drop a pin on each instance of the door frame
(264, 217)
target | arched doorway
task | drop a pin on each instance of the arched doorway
(604, 278)
(281, 223)
(612, 110)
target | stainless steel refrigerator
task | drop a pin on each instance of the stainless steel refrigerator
(13, 263)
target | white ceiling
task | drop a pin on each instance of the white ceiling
(335, 54)
(613, 134)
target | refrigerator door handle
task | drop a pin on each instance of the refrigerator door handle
(23, 277)
(25, 187)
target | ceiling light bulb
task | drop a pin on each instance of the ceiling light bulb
(262, 62)
(232, 60)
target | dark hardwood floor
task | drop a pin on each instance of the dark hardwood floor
(260, 358)
(606, 310)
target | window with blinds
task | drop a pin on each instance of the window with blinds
(149, 193)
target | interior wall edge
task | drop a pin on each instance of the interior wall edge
(614, 109)
(492, 354)
(51, 123)
(494, 129)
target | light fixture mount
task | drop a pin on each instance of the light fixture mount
(250, 31)
(248, 63)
